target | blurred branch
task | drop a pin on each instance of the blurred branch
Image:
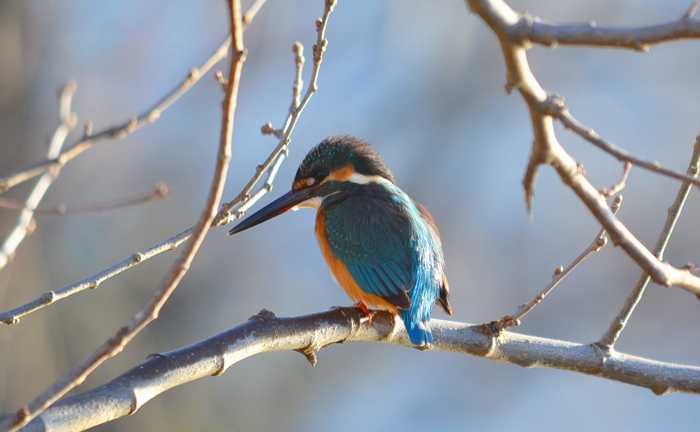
(308, 334)
(13, 316)
(159, 192)
(609, 339)
(149, 313)
(25, 221)
(560, 273)
(534, 29)
(621, 184)
(546, 149)
(123, 130)
(244, 200)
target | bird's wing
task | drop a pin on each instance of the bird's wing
(444, 285)
(372, 237)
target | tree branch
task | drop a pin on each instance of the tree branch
(121, 131)
(308, 334)
(570, 122)
(546, 149)
(243, 201)
(125, 334)
(535, 30)
(157, 193)
(609, 339)
(561, 273)
(25, 221)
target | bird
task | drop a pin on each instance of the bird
(382, 247)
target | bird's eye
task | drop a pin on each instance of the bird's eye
(304, 183)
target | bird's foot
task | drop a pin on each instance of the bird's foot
(368, 314)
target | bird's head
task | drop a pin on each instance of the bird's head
(326, 170)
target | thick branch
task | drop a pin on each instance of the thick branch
(308, 334)
(148, 314)
(546, 148)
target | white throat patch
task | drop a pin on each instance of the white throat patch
(365, 179)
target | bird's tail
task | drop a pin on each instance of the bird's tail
(444, 293)
(418, 331)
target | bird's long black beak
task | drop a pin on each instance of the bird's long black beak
(275, 208)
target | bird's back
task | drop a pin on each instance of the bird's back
(389, 247)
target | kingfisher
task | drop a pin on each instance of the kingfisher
(382, 247)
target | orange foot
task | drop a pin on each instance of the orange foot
(368, 314)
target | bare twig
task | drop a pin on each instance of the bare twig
(148, 314)
(560, 273)
(253, 10)
(620, 185)
(266, 333)
(279, 153)
(25, 221)
(591, 136)
(159, 192)
(13, 316)
(613, 333)
(270, 166)
(547, 149)
(121, 131)
(298, 50)
(535, 30)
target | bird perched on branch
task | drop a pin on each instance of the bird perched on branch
(382, 247)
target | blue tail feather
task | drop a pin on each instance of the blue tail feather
(418, 331)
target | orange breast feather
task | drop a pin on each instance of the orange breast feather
(343, 276)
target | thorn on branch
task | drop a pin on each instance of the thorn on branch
(530, 177)
(219, 77)
(87, 129)
(691, 11)
(661, 390)
(621, 184)
(268, 129)
(310, 354)
(263, 315)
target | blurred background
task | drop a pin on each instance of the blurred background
(421, 81)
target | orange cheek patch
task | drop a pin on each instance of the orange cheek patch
(343, 276)
(341, 174)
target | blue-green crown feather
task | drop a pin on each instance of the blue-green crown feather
(338, 151)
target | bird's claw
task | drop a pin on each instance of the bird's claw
(367, 314)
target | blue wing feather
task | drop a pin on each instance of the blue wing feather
(390, 250)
